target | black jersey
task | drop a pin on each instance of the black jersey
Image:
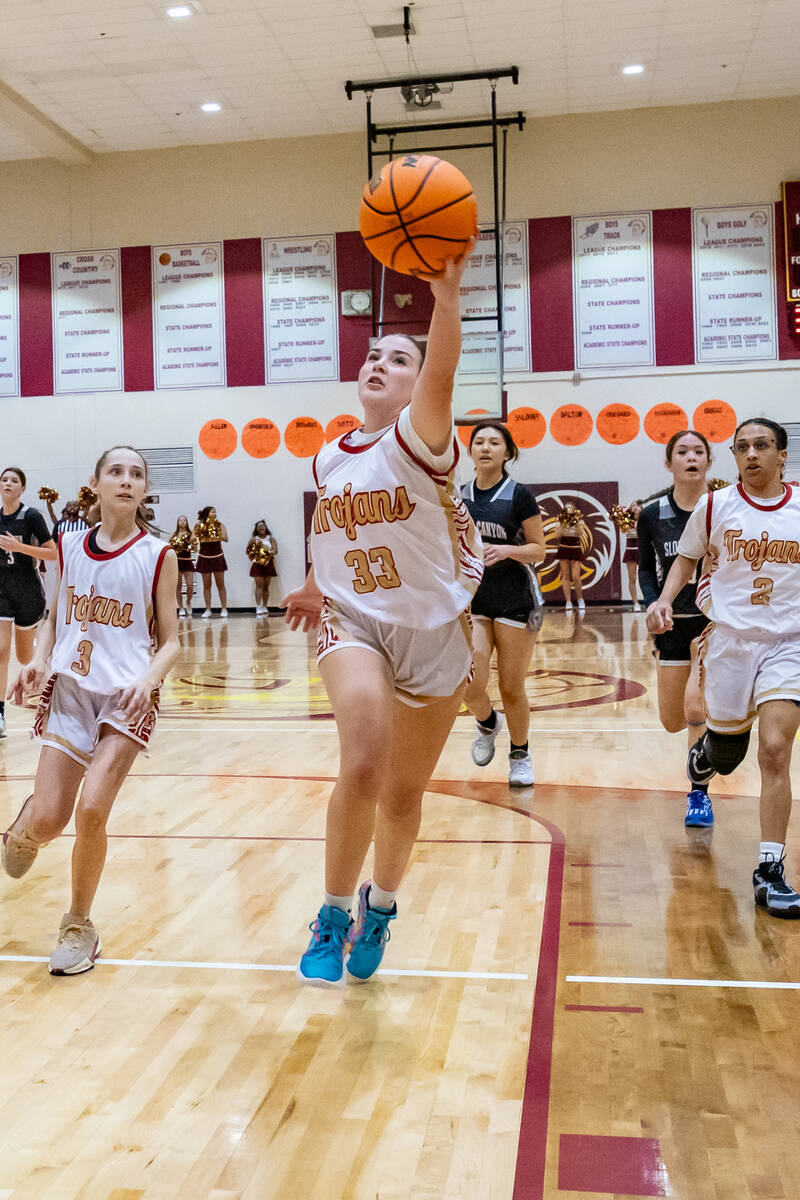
(659, 528)
(498, 513)
(30, 527)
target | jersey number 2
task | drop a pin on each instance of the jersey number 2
(84, 659)
(762, 590)
(365, 579)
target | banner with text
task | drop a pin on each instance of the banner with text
(9, 326)
(612, 272)
(733, 257)
(189, 315)
(300, 306)
(87, 321)
(479, 300)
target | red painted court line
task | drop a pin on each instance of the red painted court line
(532, 1147)
(276, 837)
(601, 924)
(620, 1008)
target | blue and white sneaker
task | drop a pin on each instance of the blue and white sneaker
(699, 812)
(482, 749)
(368, 937)
(322, 965)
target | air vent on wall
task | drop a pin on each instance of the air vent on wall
(792, 471)
(170, 468)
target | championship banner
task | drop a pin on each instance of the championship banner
(733, 257)
(87, 321)
(9, 326)
(189, 316)
(479, 299)
(612, 273)
(300, 306)
(791, 226)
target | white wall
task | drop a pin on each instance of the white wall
(653, 158)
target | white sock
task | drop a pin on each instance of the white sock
(771, 852)
(345, 903)
(378, 898)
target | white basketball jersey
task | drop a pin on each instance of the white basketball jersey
(105, 625)
(753, 584)
(392, 536)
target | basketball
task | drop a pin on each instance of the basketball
(418, 213)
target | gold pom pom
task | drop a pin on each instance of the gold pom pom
(48, 493)
(714, 485)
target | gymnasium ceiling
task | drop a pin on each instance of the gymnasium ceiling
(85, 77)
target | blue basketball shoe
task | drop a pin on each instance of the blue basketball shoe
(699, 812)
(368, 937)
(322, 965)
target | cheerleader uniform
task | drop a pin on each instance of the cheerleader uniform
(185, 561)
(631, 547)
(210, 559)
(569, 547)
(264, 570)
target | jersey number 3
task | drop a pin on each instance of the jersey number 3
(367, 580)
(84, 660)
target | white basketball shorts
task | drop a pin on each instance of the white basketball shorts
(739, 674)
(69, 719)
(426, 664)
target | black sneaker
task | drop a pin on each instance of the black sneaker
(772, 892)
(698, 768)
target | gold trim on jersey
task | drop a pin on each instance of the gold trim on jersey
(66, 746)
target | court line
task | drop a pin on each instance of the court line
(635, 981)
(270, 967)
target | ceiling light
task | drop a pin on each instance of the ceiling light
(212, 106)
(633, 69)
(179, 10)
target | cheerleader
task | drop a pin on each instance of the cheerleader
(631, 556)
(571, 533)
(660, 526)
(102, 655)
(261, 550)
(22, 598)
(211, 533)
(396, 559)
(507, 607)
(183, 542)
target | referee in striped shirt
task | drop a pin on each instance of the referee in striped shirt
(69, 521)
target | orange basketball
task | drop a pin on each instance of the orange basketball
(419, 212)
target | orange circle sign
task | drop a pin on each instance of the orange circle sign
(465, 431)
(341, 425)
(527, 426)
(260, 438)
(618, 424)
(663, 420)
(571, 425)
(303, 437)
(217, 439)
(716, 420)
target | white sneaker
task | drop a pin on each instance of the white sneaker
(568, 606)
(2, 725)
(223, 612)
(206, 614)
(637, 607)
(77, 947)
(182, 612)
(581, 606)
(482, 749)
(520, 769)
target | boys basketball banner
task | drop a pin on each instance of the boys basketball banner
(300, 306)
(189, 315)
(612, 270)
(479, 299)
(87, 321)
(9, 326)
(733, 261)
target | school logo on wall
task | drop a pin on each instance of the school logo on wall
(600, 571)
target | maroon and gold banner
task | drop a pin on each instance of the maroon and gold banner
(791, 225)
